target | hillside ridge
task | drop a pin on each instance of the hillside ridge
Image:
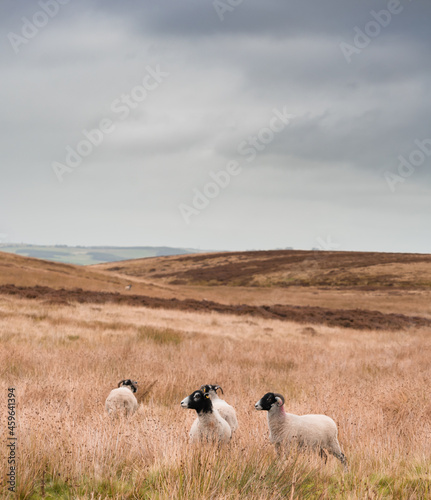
(284, 268)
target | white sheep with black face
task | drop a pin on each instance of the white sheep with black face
(209, 425)
(225, 409)
(122, 400)
(316, 432)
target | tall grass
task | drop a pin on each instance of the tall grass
(64, 360)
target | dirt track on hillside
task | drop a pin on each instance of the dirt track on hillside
(347, 318)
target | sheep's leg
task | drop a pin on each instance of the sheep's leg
(323, 455)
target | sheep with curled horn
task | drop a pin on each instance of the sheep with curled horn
(315, 432)
(225, 409)
(209, 426)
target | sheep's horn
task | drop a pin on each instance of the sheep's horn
(218, 387)
(120, 382)
(280, 397)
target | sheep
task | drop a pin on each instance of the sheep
(226, 410)
(122, 399)
(317, 432)
(209, 425)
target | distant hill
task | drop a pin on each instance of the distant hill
(284, 268)
(277, 283)
(90, 255)
(349, 289)
(32, 272)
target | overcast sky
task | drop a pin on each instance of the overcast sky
(221, 124)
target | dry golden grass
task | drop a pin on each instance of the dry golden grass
(28, 272)
(64, 360)
(409, 302)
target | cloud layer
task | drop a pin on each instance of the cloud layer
(189, 87)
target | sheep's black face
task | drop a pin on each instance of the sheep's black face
(268, 401)
(133, 385)
(198, 401)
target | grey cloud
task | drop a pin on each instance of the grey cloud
(324, 173)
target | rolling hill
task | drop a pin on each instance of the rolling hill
(285, 268)
(349, 289)
(30, 272)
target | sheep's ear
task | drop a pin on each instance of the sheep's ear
(207, 395)
(278, 401)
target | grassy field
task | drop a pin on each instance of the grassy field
(64, 359)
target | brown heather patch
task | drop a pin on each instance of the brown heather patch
(346, 318)
(63, 363)
(285, 268)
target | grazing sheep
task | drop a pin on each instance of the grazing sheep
(226, 410)
(122, 399)
(209, 426)
(317, 432)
